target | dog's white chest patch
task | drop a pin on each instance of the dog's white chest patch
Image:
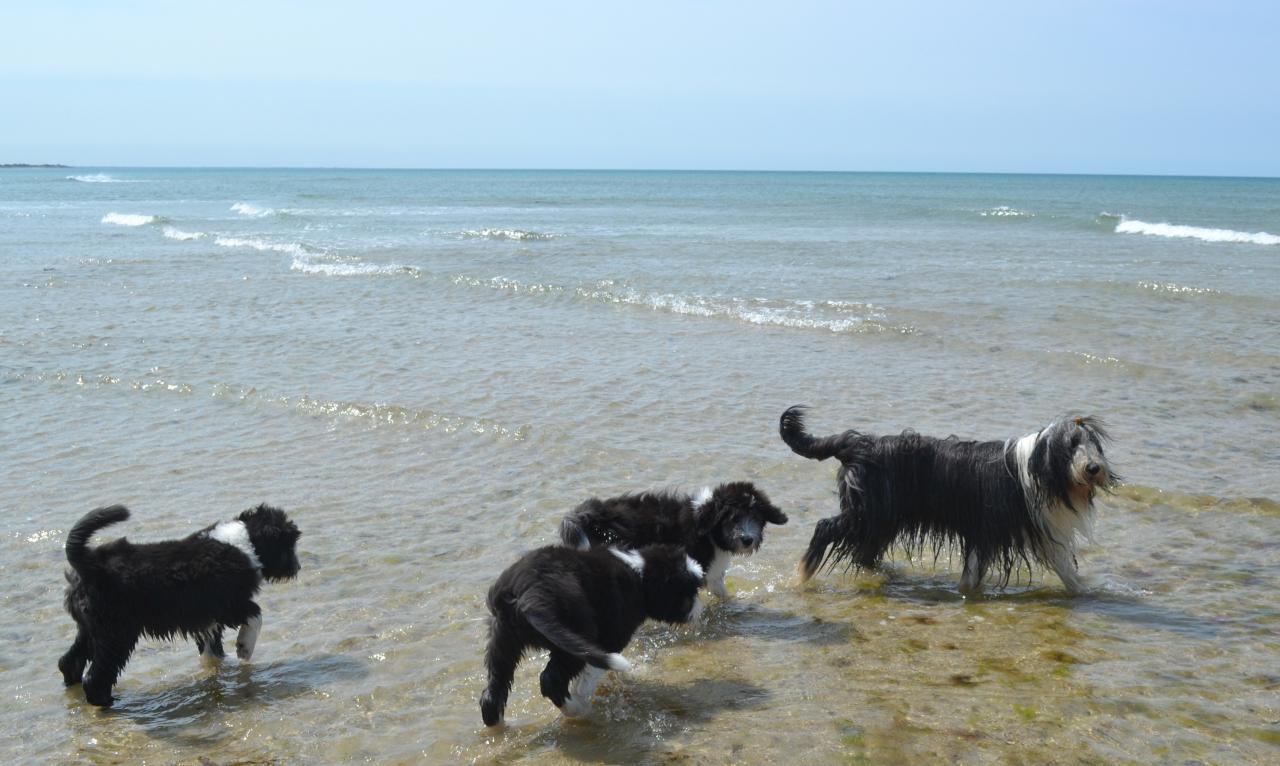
(237, 534)
(630, 558)
(716, 571)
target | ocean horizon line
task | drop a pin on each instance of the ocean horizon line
(691, 171)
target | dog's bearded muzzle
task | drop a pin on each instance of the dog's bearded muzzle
(746, 537)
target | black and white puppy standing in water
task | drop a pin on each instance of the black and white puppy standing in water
(583, 606)
(193, 587)
(713, 526)
(1003, 503)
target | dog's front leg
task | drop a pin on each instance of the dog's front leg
(210, 644)
(975, 569)
(1063, 561)
(247, 638)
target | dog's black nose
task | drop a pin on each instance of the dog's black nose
(747, 541)
(1093, 468)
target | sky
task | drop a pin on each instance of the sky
(1125, 86)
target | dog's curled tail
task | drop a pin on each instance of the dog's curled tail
(568, 640)
(791, 428)
(78, 539)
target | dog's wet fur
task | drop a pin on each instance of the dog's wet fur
(712, 526)
(194, 587)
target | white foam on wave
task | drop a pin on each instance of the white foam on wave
(180, 235)
(102, 178)
(292, 248)
(253, 211)
(1178, 231)
(309, 265)
(1003, 211)
(1176, 289)
(514, 235)
(757, 311)
(832, 316)
(128, 219)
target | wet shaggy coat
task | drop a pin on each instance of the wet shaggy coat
(1004, 504)
(193, 588)
(583, 606)
(729, 521)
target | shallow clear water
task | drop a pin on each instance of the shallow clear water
(427, 369)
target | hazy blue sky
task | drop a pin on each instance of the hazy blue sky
(1076, 87)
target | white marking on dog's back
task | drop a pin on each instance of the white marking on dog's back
(1022, 449)
(693, 566)
(702, 498)
(237, 534)
(630, 558)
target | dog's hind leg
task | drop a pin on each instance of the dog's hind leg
(500, 658)
(108, 658)
(72, 663)
(554, 681)
(825, 534)
(581, 690)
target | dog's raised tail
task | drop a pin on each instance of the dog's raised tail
(78, 538)
(791, 428)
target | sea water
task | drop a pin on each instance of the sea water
(427, 369)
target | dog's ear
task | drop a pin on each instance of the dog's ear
(773, 514)
(707, 515)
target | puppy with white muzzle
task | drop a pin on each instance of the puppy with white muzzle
(194, 587)
(712, 527)
(583, 606)
(1002, 503)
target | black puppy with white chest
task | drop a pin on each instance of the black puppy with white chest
(194, 587)
(583, 606)
(713, 526)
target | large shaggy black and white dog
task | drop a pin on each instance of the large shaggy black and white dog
(1002, 503)
(584, 606)
(193, 587)
(713, 526)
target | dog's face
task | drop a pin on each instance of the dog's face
(1071, 451)
(671, 583)
(735, 516)
(275, 541)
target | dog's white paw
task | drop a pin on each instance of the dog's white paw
(575, 708)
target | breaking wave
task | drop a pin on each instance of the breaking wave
(1169, 288)
(514, 235)
(129, 219)
(182, 236)
(292, 248)
(1004, 211)
(102, 178)
(308, 264)
(832, 316)
(253, 211)
(1178, 231)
